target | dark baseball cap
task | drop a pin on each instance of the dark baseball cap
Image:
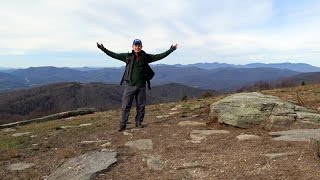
(137, 41)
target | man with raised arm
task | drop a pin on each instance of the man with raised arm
(137, 73)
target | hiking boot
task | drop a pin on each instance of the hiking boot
(122, 128)
(139, 125)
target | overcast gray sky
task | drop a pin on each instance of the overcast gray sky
(63, 33)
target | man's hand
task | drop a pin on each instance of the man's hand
(174, 47)
(100, 45)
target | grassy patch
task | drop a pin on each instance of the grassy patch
(10, 146)
(7, 143)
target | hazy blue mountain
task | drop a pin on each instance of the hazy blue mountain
(87, 68)
(49, 74)
(9, 81)
(222, 79)
(214, 65)
(299, 67)
(6, 70)
(106, 75)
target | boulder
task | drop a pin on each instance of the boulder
(84, 166)
(247, 110)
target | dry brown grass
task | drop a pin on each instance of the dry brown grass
(308, 95)
(66, 152)
(9, 154)
(223, 156)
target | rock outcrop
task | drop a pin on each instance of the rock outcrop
(61, 115)
(246, 110)
(84, 166)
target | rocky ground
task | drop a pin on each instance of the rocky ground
(181, 141)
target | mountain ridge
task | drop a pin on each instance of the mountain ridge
(222, 79)
(300, 67)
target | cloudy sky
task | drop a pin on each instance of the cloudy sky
(64, 33)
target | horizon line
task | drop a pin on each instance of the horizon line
(285, 62)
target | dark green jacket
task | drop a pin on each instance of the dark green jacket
(134, 73)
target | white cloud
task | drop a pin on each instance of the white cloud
(226, 30)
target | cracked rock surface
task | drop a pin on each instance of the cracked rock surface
(246, 110)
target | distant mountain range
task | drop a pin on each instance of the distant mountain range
(44, 100)
(3, 68)
(6, 70)
(299, 67)
(39, 91)
(9, 81)
(221, 79)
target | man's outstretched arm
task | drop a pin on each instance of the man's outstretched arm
(156, 57)
(119, 56)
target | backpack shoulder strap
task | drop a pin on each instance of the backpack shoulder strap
(149, 74)
(129, 59)
(149, 84)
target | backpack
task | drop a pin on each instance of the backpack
(148, 72)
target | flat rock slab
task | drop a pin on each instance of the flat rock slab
(19, 166)
(154, 163)
(163, 116)
(67, 127)
(198, 135)
(84, 166)
(93, 142)
(191, 123)
(8, 130)
(173, 113)
(127, 134)
(20, 134)
(278, 155)
(81, 125)
(141, 144)
(296, 135)
(86, 124)
(190, 165)
(247, 137)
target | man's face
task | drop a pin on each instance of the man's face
(136, 48)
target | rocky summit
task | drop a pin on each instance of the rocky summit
(186, 144)
(247, 110)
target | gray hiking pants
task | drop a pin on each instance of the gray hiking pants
(133, 93)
